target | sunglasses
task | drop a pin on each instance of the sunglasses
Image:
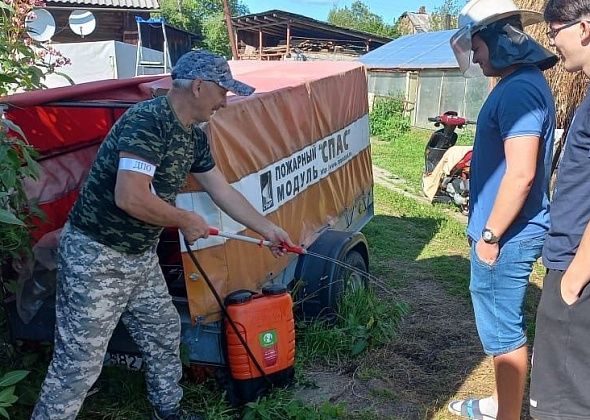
(552, 32)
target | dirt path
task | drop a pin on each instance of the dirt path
(435, 358)
(388, 180)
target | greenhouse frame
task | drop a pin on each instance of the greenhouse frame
(422, 70)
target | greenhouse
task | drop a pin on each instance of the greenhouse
(422, 69)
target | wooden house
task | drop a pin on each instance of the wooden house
(410, 23)
(115, 19)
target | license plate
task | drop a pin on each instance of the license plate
(130, 361)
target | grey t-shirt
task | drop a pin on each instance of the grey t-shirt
(570, 207)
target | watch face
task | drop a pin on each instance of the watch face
(487, 235)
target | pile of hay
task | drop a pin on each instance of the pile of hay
(568, 88)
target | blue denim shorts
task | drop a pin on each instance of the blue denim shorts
(498, 291)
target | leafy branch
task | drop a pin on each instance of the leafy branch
(17, 163)
(7, 396)
(24, 63)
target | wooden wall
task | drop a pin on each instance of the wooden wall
(110, 25)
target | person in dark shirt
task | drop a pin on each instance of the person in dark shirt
(107, 263)
(508, 190)
(560, 378)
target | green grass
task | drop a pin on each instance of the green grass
(385, 395)
(364, 320)
(408, 236)
(404, 157)
(387, 120)
(280, 404)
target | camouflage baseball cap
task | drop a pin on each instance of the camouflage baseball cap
(204, 65)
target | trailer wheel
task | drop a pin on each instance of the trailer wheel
(347, 279)
(320, 283)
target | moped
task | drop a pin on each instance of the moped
(446, 166)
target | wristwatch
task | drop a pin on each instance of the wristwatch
(488, 236)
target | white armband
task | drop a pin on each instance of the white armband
(135, 165)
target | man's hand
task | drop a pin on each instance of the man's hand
(570, 289)
(488, 253)
(193, 227)
(277, 236)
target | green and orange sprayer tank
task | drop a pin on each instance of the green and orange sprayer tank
(266, 323)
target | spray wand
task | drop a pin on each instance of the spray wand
(302, 251)
(260, 242)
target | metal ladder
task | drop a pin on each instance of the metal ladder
(141, 65)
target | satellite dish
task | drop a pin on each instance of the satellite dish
(82, 22)
(40, 25)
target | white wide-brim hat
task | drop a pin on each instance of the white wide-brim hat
(475, 16)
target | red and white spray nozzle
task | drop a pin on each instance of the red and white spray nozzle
(260, 242)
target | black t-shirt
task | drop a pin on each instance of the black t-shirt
(570, 208)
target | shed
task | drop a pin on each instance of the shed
(422, 69)
(116, 21)
(277, 35)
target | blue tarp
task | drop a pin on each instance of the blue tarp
(425, 50)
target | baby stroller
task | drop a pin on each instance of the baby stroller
(446, 166)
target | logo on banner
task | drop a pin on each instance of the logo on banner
(266, 190)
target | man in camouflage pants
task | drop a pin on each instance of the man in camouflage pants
(108, 267)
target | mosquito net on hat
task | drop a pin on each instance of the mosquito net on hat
(508, 45)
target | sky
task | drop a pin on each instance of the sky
(389, 10)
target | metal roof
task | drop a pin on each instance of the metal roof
(425, 50)
(126, 4)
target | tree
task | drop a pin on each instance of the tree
(183, 14)
(204, 17)
(23, 65)
(360, 17)
(215, 37)
(445, 16)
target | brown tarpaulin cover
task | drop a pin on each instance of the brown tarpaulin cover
(305, 103)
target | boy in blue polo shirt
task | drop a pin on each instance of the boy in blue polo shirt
(509, 202)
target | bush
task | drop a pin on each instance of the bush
(7, 397)
(16, 212)
(387, 120)
(24, 62)
(282, 404)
